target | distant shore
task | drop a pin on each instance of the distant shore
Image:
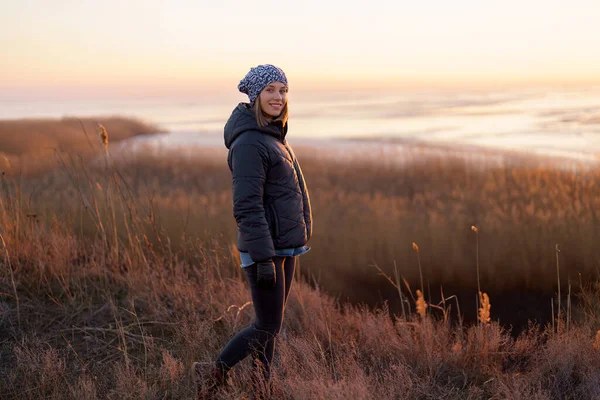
(29, 145)
(384, 149)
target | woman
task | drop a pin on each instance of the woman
(272, 209)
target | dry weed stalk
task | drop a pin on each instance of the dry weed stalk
(237, 314)
(553, 319)
(398, 287)
(569, 306)
(557, 250)
(103, 136)
(395, 283)
(12, 280)
(478, 298)
(474, 229)
(421, 304)
(416, 249)
(484, 309)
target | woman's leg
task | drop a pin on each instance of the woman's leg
(266, 357)
(268, 307)
(288, 268)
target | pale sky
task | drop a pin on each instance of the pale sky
(179, 46)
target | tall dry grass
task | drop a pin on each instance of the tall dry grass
(29, 145)
(89, 329)
(371, 211)
(117, 274)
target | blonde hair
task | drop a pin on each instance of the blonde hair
(262, 120)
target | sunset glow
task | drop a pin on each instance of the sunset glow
(184, 46)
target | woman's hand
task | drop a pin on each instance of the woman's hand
(265, 274)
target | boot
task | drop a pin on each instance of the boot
(209, 379)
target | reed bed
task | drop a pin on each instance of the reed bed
(370, 212)
(117, 273)
(28, 146)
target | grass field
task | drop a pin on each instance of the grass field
(29, 145)
(118, 271)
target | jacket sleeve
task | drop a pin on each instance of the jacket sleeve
(249, 164)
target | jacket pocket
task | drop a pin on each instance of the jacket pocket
(275, 220)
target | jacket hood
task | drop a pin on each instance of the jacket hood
(242, 119)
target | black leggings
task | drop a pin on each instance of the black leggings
(269, 305)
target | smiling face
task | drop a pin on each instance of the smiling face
(273, 99)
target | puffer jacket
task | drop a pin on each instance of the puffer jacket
(270, 199)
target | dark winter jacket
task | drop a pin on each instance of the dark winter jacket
(270, 198)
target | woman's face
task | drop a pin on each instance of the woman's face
(273, 98)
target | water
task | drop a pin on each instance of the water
(560, 122)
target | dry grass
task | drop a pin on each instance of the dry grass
(29, 145)
(372, 212)
(116, 275)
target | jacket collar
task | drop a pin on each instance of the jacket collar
(242, 119)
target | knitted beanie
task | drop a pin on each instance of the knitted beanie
(258, 78)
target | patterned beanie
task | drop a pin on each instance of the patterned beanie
(258, 78)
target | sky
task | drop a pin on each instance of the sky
(71, 47)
